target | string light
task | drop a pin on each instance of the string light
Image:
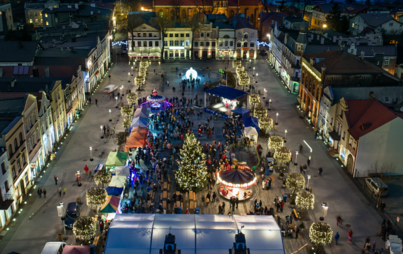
(265, 123)
(294, 181)
(275, 142)
(96, 196)
(320, 233)
(305, 200)
(131, 98)
(119, 43)
(254, 99)
(84, 228)
(282, 155)
(260, 111)
(127, 110)
(102, 177)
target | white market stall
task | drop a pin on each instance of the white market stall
(251, 133)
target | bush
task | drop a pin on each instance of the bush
(302, 225)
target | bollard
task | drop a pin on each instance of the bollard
(60, 236)
(78, 200)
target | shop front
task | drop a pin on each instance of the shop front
(177, 52)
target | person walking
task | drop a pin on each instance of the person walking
(320, 171)
(373, 245)
(336, 237)
(44, 193)
(64, 191)
(96, 101)
(214, 196)
(55, 179)
(297, 232)
(60, 191)
(236, 202)
(40, 192)
(86, 169)
(101, 226)
(383, 205)
(350, 236)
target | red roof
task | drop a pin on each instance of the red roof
(366, 30)
(364, 116)
(8, 95)
(76, 249)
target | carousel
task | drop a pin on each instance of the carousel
(236, 182)
(157, 102)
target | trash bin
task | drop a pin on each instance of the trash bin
(78, 200)
(285, 198)
(60, 236)
(197, 210)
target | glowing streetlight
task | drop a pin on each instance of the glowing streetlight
(269, 104)
(296, 158)
(277, 118)
(91, 159)
(307, 185)
(110, 115)
(285, 134)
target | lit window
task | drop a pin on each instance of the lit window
(30, 20)
(47, 23)
(46, 15)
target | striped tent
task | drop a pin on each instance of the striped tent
(235, 176)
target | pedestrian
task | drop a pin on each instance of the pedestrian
(236, 202)
(55, 180)
(300, 148)
(214, 196)
(336, 237)
(308, 161)
(44, 193)
(96, 101)
(350, 236)
(60, 191)
(301, 168)
(64, 191)
(297, 232)
(320, 171)
(154, 71)
(373, 245)
(86, 169)
(40, 192)
(101, 226)
(383, 205)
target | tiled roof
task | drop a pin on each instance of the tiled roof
(345, 8)
(375, 20)
(14, 51)
(364, 116)
(370, 51)
(240, 22)
(184, 2)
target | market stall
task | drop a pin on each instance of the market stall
(76, 249)
(242, 111)
(251, 122)
(138, 121)
(137, 138)
(122, 170)
(118, 181)
(251, 133)
(111, 207)
(116, 159)
(141, 112)
(223, 99)
(114, 191)
(236, 183)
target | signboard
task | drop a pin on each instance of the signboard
(177, 47)
(60, 210)
(245, 48)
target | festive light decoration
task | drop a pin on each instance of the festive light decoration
(282, 155)
(139, 80)
(265, 123)
(119, 43)
(259, 111)
(320, 233)
(102, 177)
(254, 99)
(263, 43)
(126, 122)
(96, 196)
(275, 142)
(243, 78)
(236, 63)
(305, 200)
(127, 110)
(192, 171)
(295, 181)
(131, 98)
(84, 228)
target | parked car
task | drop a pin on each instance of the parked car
(72, 213)
(53, 248)
(110, 88)
(376, 186)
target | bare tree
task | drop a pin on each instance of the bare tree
(176, 5)
(162, 23)
(383, 172)
(194, 24)
(133, 21)
(206, 6)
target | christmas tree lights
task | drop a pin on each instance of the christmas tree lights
(305, 200)
(102, 177)
(259, 111)
(320, 233)
(127, 110)
(295, 182)
(84, 228)
(192, 171)
(254, 99)
(131, 98)
(275, 142)
(265, 123)
(282, 155)
(96, 196)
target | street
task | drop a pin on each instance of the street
(38, 222)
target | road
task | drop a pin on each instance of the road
(38, 222)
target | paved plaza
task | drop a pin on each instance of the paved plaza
(38, 222)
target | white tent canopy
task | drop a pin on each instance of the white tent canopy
(118, 181)
(205, 234)
(251, 132)
(122, 170)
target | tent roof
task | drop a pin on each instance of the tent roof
(137, 138)
(236, 176)
(116, 159)
(139, 121)
(194, 233)
(242, 111)
(118, 181)
(251, 122)
(122, 170)
(141, 112)
(251, 131)
(111, 205)
(226, 92)
(76, 249)
(114, 191)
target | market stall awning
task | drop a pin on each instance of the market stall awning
(116, 159)
(76, 249)
(137, 138)
(226, 92)
(251, 122)
(251, 131)
(111, 205)
(141, 112)
(118, 181)
(138, 121)
(113, 191)
(236, 176)
(122, 170)
(242, 111)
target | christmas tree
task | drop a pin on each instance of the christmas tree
(192, 172)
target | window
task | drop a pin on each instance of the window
(139, 43)
(201, 34)
(220, 43)
(187, 35)
(47, 23)
(46, 15)
(252, 44)
(213, 43)
(3, 168)
(226, 43)
(299, 48)
(176, 43)
(245, 44)
(144, 43)
(208, 35)
(156, 44)
(245, 36)
(150, 35)
(196, 44)
(207, 44)
(176, 35)
(187, 43)
(150, 43)
(182, 43)
(171, 35)
(391, 24)
(238, 44)
(138, 34)
(201, 44)
(19, 166)
(386, 62)
(171, 43)
(352, 25)
(165, 43)
(30, 20)
(182, 35)
(14, 174)
(231, 43)
(144, 34)
(7, 186)
(344, 135)
(15, 144)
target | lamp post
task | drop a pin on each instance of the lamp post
(110, 115)
(253, 71)
(285, 135)
(128, 77)
(102, 127)
(269, 104)
(102, 141)
(277, 118)
(91, 159)
(296, 158)
(325, 207)
(116, 98)
(265, 93)
(307, 185)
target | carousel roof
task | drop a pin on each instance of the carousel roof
(236, 176)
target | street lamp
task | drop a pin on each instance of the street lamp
(285, 134)
(265, 93)
(102, 141)
(325, 207)
(307, 185)
(91, 159)
(102, 128)
(296, 158)
(253, 70)
(116, 98)
(277, 118)
(256, 74)
(269, 104)
(110, 115)
(129, 77)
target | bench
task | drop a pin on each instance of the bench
(164, 195)
(165, 186)
(164, 204)
(169, 179)
(295, 213)
(178, 203)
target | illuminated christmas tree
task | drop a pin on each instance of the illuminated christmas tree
(192, 172)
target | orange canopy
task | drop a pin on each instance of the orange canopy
(137, 138)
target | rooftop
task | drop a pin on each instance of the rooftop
(351, 8)
(375, 20)
(14, 51)
(30, 85)
(239, 22)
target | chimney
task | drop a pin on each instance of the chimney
(13, 82)
(312, 61)
(20, 44)
(362, 55)
(322, 40)
(323, 73)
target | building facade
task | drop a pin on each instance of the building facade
(58, 104)
(144, 41)
(205, 41)
(178, 42)
(7, 204)
(46, 127)
(383, 23)
(6, 18)
(226, 41)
